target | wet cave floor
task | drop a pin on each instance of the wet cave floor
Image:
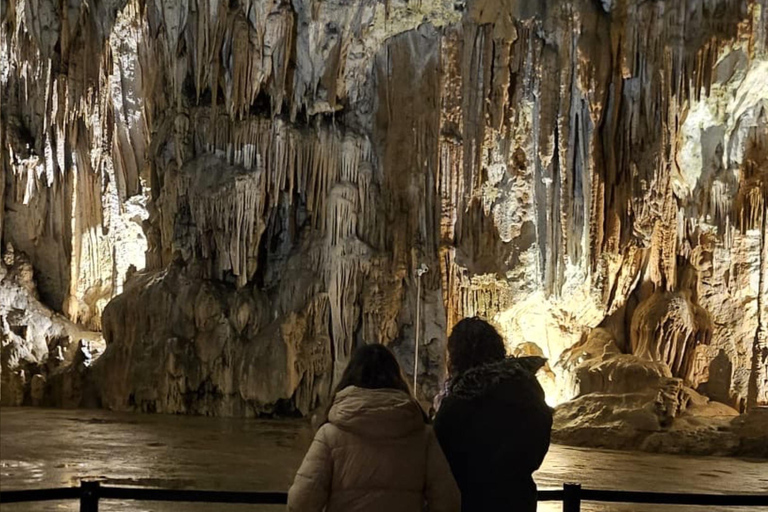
(51, 448)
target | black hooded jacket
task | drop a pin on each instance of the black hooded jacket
(494, 428)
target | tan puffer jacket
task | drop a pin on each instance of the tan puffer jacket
(374, 454)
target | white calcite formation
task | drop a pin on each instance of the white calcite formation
(45, 357)
(238, 193)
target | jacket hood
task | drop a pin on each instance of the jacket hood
(376, 412)
(482, 379)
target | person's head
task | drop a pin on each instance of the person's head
(473, 342)
(373, 367)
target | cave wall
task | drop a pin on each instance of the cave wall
(606, 147)
(73, 144)
(262, 178)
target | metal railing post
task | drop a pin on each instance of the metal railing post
(89, 496)
(571, 497)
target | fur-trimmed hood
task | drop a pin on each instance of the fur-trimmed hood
(481, 379)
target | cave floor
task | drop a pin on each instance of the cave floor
(53, 447)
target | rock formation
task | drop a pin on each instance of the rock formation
(45, 357)
(238, 193)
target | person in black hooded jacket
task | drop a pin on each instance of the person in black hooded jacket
(492, 421)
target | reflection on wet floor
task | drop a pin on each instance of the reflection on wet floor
(52, 448)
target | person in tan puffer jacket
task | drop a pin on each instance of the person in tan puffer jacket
(375, 453)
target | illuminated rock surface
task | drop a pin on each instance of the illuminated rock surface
(236, 193)
(45, 357)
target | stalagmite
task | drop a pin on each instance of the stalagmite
(667, 329)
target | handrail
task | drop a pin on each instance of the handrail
(90, 492)
(723, 500)
(62, 493)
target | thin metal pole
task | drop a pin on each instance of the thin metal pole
(571, 497)
(89, 496)
(418, 330)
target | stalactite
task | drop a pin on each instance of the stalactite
(228, 219)
(305, 157)
(76, 107)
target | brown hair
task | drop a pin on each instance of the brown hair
(473, 342)
(372, 367)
